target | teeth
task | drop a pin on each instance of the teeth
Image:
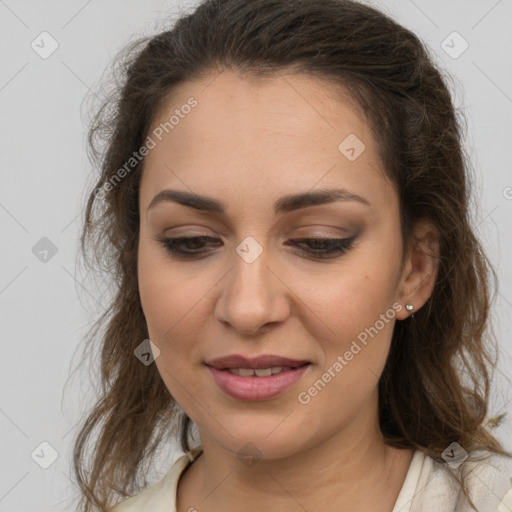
(263, 372)
(260, 372)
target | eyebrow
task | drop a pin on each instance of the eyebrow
(285, 204)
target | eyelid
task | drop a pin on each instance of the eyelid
(187, 231)
(335, 231)
(336, 247)
(341, 233)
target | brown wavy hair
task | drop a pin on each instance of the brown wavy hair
(435, 386)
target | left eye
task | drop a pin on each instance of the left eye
(324, 247)
(190, 247)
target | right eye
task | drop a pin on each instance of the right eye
(192, 244)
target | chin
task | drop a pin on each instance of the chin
(261, 443)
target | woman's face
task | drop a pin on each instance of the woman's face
(253, 286)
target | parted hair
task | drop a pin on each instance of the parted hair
(435, 386)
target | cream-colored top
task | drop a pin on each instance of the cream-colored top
(428, 487)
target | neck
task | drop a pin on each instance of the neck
(351, 470)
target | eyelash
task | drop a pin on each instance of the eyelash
(336, 246)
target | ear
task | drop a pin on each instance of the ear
(420, 268)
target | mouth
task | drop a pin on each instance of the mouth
(261, 372)
(255, 384)
(266, 362)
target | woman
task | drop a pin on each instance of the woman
(285, 202)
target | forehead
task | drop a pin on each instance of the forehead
(268, 136)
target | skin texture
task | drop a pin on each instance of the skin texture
(247, 143)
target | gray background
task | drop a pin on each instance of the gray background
(47, 306)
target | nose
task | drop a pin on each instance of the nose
(253, 295)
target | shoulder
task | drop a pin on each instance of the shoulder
(160, 496)
(490, 481)
(488, 477)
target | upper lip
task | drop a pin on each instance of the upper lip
(263, 361)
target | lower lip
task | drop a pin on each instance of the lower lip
(257, 388)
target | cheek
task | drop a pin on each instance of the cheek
(354, 340)
(157, 298)
(176, 304)
(352, 320)
(167, 295)
(358, 341)
(163, 304)
(171, 305)
(348, 300)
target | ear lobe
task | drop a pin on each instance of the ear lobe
(420, 269)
